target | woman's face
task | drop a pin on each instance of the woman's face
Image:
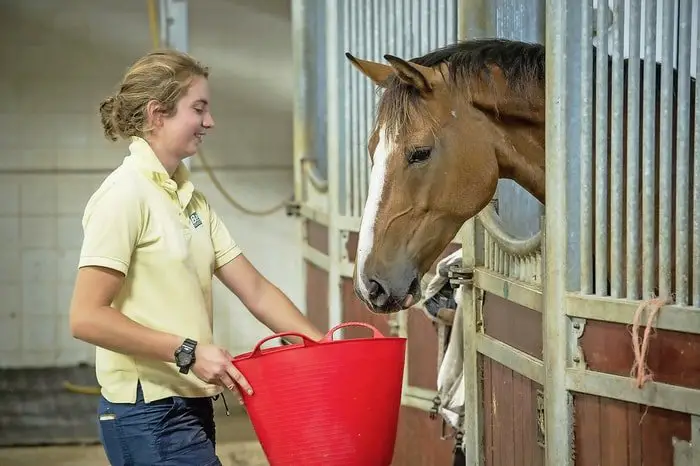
(182, 133)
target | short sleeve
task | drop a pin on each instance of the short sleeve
(225, 248)
(111, 229)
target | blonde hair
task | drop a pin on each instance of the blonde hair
(163, 76)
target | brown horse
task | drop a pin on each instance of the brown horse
(449, 125)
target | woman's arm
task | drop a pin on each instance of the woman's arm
(264, 300)
(93, 320)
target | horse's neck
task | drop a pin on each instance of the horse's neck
(522, 157)
(519, 116)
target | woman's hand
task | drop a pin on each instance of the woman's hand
(213, 365)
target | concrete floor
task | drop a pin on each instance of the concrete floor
(236, 445)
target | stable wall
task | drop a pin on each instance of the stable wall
(58, 62)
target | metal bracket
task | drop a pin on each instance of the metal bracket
(434, 410)
(540, 419)
(578, 359)
(459, 275)
(293, 209)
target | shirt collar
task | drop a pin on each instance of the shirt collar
(142, 157)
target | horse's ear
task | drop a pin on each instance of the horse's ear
(377, 72)
(418, 76)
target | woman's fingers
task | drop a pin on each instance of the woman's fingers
(238, 377)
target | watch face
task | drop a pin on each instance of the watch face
(184, 358)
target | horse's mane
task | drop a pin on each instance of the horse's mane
(522, 65)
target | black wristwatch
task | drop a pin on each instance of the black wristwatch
(184, 355)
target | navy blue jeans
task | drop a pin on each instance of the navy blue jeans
(174, 432)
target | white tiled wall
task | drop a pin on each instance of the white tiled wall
(57, 61)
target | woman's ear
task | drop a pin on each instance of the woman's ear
(155, 116)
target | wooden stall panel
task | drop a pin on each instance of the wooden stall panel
(673, 358)
(510, 417)
(513, 324)
(422, 350)
(610, 432)
(317, 295)
(317, 236)
(418, 441)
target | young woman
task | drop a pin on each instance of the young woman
(143, 293)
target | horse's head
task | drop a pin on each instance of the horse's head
(433, 167)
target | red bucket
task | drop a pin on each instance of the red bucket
(330, 403)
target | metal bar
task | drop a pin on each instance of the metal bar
(417, 403)
(315, 215)
(676, 318)
(696, 176)
(362, 83)
(655, 394)
(420, 392)
(586, 157)
(512, 358)
(316, 257)
(558, 416)
(649, 151)
(666, 149)
(601, 152)
(348, 107)
(616, 137)
(302, 135)
(174, 33)
(333, 96)
(683, 155)
(472, 384)
(633, 243)
(476, 19)
(509, 243)
(527, 295)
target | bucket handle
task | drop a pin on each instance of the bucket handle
(329, 336)
(307, 341)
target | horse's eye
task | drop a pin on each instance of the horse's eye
(419, 155)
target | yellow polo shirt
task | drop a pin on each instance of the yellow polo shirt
(166, 239)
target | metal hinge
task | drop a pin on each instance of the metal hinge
(293, 209)
(459, 275)
(540, 419)
(436, 407)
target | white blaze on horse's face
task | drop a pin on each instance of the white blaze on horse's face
(375, 194)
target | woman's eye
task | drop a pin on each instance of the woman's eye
(419, 155)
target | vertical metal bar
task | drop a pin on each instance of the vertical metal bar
(633, 155)
(472, 424)
(587, 227)
(601, 152)
(696, 175)
(666, 150)
(555, 328)
(362, 112)
(683, 154)
(356, 83)
(476, 19)
(302, 134)
(367, 92)
(333, 94)
(617, 128)
(174, 21)
(349, 79)
(649, 151)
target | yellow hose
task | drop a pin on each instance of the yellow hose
(81, 389)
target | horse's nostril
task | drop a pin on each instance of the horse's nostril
(375, 289)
